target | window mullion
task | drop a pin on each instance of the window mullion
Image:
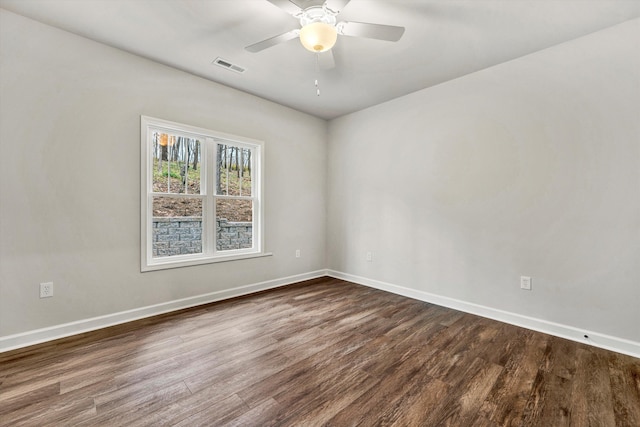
(185, 164)
(228, 163)
(241, 161)
(209, 215)
(169, 164)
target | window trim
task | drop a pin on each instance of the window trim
(209, 145)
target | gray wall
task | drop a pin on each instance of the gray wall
(70, 177)
(528, 168)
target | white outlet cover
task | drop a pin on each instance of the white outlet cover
(525, 282)
(46, 290)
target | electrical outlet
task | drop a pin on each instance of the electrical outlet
(369, 257)
(525, 283)
(46, 290)
(297, 253)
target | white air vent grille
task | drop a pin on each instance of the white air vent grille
(228, 65)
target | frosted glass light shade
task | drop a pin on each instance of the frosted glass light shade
(318, 36)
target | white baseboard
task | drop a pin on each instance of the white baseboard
(12, 342)
(595, 339)
(620, 345)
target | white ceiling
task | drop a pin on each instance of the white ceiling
(444, 39)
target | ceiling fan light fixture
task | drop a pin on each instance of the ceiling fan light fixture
(318, 36)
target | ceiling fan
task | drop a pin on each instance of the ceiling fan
(319, 28)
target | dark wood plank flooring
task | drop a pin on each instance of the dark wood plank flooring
(322, 352)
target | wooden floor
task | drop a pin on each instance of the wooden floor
(324, 352)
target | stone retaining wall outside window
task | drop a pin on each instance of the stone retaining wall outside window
(182, 236)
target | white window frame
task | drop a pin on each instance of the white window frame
(209, 140)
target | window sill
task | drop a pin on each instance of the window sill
(177, 263)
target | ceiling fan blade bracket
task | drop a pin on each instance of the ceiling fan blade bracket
(335, 6)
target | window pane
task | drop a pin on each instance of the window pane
(221, 169)
(234, 224)
(176, 164)
(177, 226)
(230, 171)
(246, 172)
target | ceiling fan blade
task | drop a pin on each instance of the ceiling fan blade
(326, 61)
(257, 47)
(336, 6)
(289, 7)
(371, 31)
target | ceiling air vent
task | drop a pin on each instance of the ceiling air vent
(228, 65)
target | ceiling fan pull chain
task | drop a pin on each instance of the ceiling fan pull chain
(317, 73)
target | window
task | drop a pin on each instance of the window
(201, 196)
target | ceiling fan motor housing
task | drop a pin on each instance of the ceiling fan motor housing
(317, 14)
